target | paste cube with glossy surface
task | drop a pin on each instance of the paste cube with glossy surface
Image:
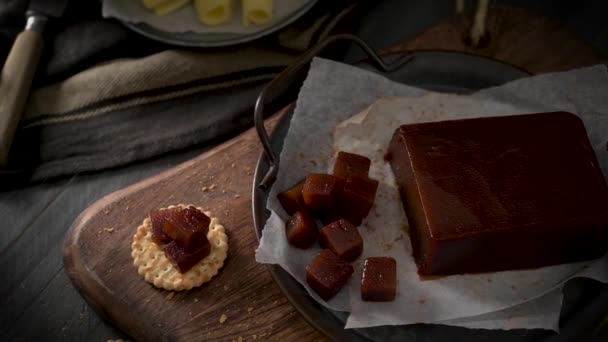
(342, 238)
(291, 200)
(379, 279)
(301, 230)
(357, 198)
(350, 164)
(187, 226)
(320, 191)
(184, 260)
(327, 274)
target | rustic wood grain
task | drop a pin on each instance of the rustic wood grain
(97, 257)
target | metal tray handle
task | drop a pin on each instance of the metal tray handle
(287, 76)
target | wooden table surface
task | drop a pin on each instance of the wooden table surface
(38, 300)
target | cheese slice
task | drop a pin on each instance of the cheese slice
(213, 12)
(257, 12)
(171, 6)
(479, 25)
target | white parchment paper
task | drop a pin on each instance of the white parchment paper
(185, 19)
(513, 299)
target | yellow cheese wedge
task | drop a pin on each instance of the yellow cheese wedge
(213, 12)
(170, 7)
(257, 12)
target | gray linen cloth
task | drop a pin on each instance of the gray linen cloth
(130, 109)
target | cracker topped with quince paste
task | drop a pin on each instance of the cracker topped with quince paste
(179, 247)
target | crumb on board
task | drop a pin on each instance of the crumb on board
(233, 165)
(255, 337)
(250, 309)
(108, 229)
(223, 191)
(240, 339)
(223, 318)
(204, 189)
(225, 288)
(212, 187)
(170, 295)
(237, 196)
(195, 300)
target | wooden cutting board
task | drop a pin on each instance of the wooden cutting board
(98, 247)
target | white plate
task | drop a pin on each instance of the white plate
(213, 39)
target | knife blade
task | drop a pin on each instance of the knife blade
(19, 69)
(47, 8)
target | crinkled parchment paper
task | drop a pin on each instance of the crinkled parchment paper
(185, 20)
(346, 115)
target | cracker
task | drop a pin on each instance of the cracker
(156, 269)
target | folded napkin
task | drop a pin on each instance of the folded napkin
(84, 115)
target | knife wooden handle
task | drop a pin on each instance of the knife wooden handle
(15, 81)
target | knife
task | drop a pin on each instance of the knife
(19, 68)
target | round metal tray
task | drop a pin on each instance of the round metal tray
(433, 70)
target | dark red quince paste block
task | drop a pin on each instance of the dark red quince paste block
(327, 273)
(500, 193)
